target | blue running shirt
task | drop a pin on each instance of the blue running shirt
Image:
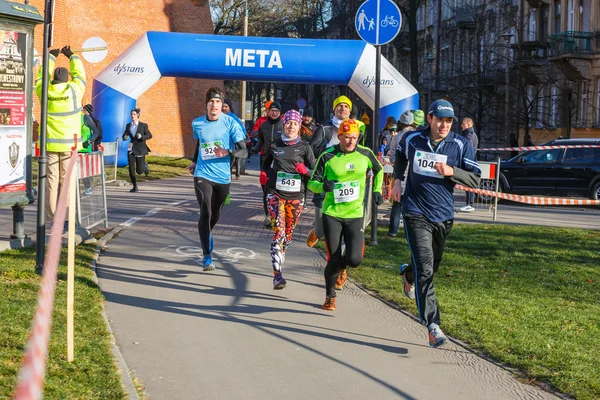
(225, 132)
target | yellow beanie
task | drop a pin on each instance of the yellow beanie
(348, 127)
(342, 99)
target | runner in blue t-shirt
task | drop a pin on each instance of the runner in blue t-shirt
(219, 137)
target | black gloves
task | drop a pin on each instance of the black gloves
(328, 185)
(55, 52)
(86, 144)
(67, 51)
(377, 198)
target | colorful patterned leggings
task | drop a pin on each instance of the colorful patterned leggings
(284, 217)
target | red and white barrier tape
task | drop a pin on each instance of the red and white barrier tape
(549, 201)
(575, 146)
(33, 368)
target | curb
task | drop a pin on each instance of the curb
(124, 370)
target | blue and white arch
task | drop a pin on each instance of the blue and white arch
(306, 61)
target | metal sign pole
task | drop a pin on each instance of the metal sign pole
(375, 138)
(43, 159)
(497, 189)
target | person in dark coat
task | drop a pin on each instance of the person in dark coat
(468, 132)
(138, 132)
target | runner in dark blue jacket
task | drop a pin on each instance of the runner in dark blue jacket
(436, 159)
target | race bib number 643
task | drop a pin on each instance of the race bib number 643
(423, 163)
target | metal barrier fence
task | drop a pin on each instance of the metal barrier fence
(91, 190)
(111, 150)
(481, 203)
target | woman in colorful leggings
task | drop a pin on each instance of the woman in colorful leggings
(284, 167)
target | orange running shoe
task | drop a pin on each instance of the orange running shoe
(329, 304)
(312, 238)
(341, 280)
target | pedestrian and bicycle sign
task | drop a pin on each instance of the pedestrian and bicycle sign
(378, 21)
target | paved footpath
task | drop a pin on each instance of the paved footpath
(227, 334)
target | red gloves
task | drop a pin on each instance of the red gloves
(301, 169)
(263, 178)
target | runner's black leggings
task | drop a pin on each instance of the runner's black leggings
(135, 164)
(211, 197)
(351, 231)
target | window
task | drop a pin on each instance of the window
(598, 104)
(532, 25)
(492, 48)
(571, 20)
(553, 105)
(581, 156)
(530, 106)
(542, 156)
(584, 103)
(432, 12)
(556, 28)
(540, 110)
(421, 17)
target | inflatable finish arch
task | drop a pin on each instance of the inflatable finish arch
(310, 61)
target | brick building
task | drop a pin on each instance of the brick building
(172, 103)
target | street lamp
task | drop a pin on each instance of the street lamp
(507, 38)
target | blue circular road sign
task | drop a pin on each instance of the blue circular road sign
(378, 21)
(301, 102)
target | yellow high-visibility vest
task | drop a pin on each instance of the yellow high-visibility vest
(64, 106)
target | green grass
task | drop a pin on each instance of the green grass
(526, 296)
(160, 168)
(93, 374)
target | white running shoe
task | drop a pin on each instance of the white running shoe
(467, 209)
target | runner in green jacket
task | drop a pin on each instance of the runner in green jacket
(341, 173)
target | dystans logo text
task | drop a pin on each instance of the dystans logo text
(371, 81)
(128, 69)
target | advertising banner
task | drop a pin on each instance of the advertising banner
(13, 134)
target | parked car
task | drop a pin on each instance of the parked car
(556, 172)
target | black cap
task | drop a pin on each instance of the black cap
(276, 105)
(229, 103)
(61, 74)
(308, 112)
(89, 108)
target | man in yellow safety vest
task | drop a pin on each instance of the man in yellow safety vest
(64, 118)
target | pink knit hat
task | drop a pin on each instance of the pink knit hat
(292, 115)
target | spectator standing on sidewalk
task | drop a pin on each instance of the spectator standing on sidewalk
(405, 125)
(137, 149)
(64, 119)
(219, 137)
(292, 158)
(436, 159)
(468, 132)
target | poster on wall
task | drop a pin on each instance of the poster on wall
(13, 100)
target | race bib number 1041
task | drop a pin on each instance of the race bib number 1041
(423, 163)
